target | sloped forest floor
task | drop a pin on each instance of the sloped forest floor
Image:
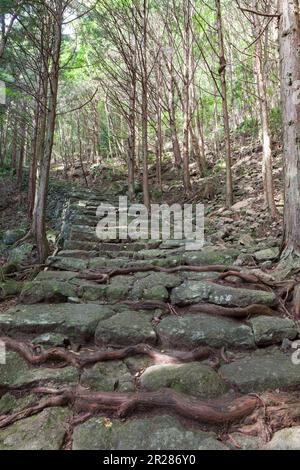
(144, 345)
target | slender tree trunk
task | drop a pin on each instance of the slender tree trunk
(145, 79)
(186, 96)
(267, 164)
(173, 128)
(289, 45)
(222, 72)
(39, 216)
(159, 138)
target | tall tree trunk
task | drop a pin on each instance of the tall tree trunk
(145, 79)
(39, 216)
(267, 163)
(173, 127)
(159, 142)
(222, 72)
(132, 120)
(186, 96)
(289, 45)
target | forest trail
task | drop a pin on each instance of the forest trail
(194, 326)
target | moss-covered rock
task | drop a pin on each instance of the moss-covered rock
(126, 328)
(272, 330)
(264, 370)
(156, 433)
(10, 288)
(192, 292)
(52, 290)
(108, 377)
(191, 331)
(195, 379)
(45, 431)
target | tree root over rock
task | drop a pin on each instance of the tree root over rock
(210, 309)
(31, 354)
(125, 404)
(241, 313)
(104, 275)
(278, 411)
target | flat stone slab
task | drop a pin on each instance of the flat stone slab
(157, 433)
(272, 330)
(286, 439)
(108, 377)
(263, 370)
(191, 331)
(126, 328)
(16, 373)
(193, 292)
(54, 290)
(68, 264)
(210, 256)
(45, 431)
(194, 379)
(78, 322)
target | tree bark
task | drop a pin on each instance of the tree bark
(222, 72)
(39, 216)
(267, 163)
(186, 96)
(289, 47)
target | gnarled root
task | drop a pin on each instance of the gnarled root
(124, 404)
(103, 275)
(30, 354)
(245, 312)
(210, 309)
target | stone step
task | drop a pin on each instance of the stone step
(162, 432)
(77, 322)
(268, 369)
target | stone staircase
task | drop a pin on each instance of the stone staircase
(63, 307)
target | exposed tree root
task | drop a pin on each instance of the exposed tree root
(245, 312)
(103, 275)
(125, 404)
(250, 278)
(34, 357)
(280, 410)
(210, 309)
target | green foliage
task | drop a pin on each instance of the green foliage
(276, 121)
(249, 127)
